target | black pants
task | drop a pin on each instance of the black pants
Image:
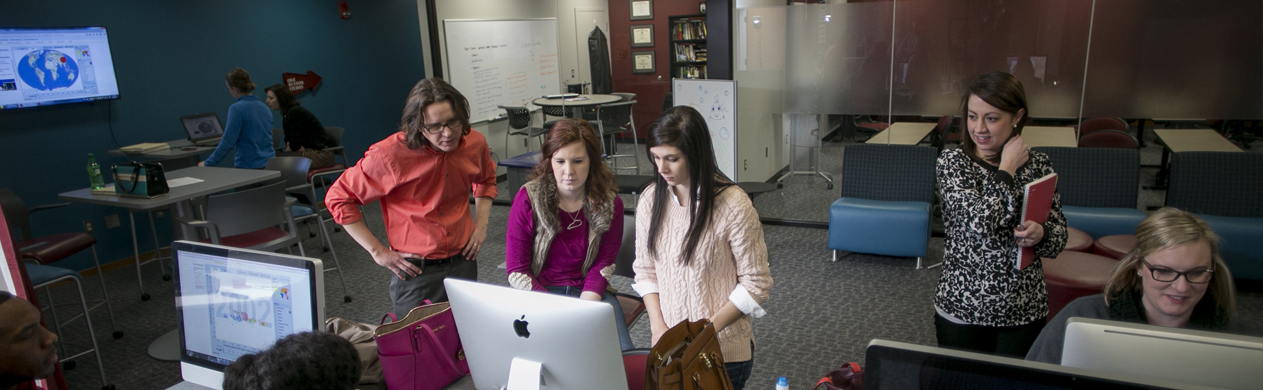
(1012, 341)
(406, 294)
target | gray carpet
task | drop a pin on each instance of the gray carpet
(821, 314)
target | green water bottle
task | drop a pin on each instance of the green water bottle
(94, 173)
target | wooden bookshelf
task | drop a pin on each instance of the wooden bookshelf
(688, 46)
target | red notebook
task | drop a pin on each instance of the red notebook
(1036, 205)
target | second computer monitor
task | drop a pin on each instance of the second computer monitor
(1197, 357)
(573, 339)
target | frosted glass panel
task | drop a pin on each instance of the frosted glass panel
(838, 58)
(940, 46)
(1176, 59)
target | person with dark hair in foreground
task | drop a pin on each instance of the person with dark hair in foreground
(983, 303)
(301, 361)
(423, 176)
(700, 252)
(26, 348)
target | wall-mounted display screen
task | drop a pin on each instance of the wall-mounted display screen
(46, 66)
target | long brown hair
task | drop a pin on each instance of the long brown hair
(425, 93)
(684, 128)
(1167, 228)
(240, 79)
(1001, 90)
(599, 185)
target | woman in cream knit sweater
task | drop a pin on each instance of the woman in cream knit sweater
(700, 252)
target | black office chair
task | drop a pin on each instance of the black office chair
(615, 119)
(520, 124)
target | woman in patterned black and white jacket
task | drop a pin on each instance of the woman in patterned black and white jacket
(983, 303)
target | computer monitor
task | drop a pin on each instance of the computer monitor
(503, 329)
(892, 365)
(202, 128)
(1204, 358)
(231, 302)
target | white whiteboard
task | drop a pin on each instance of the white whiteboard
(501, 62)
(715, 100)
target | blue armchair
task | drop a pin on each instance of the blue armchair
(887, 191)
(1099, 188)
(1223, 188)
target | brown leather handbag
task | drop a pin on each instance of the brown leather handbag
(687, 357)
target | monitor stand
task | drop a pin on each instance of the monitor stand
(525, 374)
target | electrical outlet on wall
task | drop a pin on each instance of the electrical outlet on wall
(745, 164)
(87, 226)
(160, 214)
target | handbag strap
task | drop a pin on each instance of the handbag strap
(135, 177)
(392, 315)
(443, 354)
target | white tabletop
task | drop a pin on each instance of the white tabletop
(1035, 136)
(175, 151)
(213, 180)
(582, 100)
(1195, 140)
(903, 133)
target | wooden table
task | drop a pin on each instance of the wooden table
(1188, 140)
(1035, 136)
(903, 133)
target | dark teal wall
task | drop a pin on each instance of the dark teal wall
(170, 58)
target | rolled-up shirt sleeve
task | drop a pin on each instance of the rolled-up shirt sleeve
(749, 250)
(367, 181)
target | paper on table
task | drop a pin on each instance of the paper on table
(524, 374)
(183, 181)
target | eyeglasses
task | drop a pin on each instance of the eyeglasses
(1169, 275)
(435, 128)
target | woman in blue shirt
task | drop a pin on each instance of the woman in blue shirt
(249, 127)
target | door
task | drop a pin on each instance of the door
(584, 20)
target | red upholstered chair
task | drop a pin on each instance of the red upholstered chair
(1079, 241)
(633, 306)
(250, 219)
(1074, 274)
(945, 133)
(1097, 124)
(634, 363)
(51, 248)
(1114, 247)
(865, 124)
(324, 174)
(1108, 139)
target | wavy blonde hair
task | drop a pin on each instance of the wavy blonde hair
(1167, 228)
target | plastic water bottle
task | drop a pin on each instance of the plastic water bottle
(782, 383)
(94, 173)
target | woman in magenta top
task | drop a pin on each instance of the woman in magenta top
(566, 224)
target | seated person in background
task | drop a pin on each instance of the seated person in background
(566, 225)
(304, 135)
(26, 348)
(249, 127)
(307, 360)
(1163, 281)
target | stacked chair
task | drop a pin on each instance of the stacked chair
(294, 172)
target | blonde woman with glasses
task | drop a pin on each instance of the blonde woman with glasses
(1174, 277)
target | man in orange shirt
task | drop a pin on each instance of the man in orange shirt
(422, 176)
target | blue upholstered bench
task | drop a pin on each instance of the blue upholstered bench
(880, 227)
(1240, 244)
(1103, 221)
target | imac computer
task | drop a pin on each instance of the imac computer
(232, 302)
(894, 365)
(548, 341)
(1204, 358)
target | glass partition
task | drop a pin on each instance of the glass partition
(808, 72)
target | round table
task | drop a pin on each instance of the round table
(586, 101)
(1075, 274)
(1078, 241)
(1116, 246)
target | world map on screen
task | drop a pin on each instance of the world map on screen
(47, 70)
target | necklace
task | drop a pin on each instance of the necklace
(574, 219)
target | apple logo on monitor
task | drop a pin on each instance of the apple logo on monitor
(519, 327)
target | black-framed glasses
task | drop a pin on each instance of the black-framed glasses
(435, 128)
(1167, 275)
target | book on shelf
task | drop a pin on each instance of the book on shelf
(1036, 204)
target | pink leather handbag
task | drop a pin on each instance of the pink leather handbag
(422, 351)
